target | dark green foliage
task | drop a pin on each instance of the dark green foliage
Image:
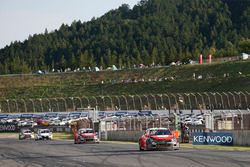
(153, 32)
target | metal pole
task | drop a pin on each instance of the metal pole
(65, 104)
(162, 105)
(181, 100)
(140, 101)
(215, 98)
(239, 99)
(25, 107)
(41, 104)
(202, 99)
(154, 101)
(16, 105)
(233, 99)
(149, 107)
(245, 98)
(8, 105)
(209, 100)
(80, 100)
(88, 100)
(57, 105)
(169, 103)
(111, 103)
(103, 100)
(133, 100)
(73, 103)
(196, 101)
(119, 103)
(125, 101)
(228, 102)
(221, 99)
(96, 103)
(188, 95)
(33, 105)
(177, 106)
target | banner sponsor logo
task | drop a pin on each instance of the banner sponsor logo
(211, 138)
(8, 128)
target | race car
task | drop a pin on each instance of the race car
(85, 135)
(25, 134)
(43, 134)
(158, 139)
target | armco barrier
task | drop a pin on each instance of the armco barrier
(241, 137)
(124, 135)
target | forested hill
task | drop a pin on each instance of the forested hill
(152, 32)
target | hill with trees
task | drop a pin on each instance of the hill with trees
(152, 32)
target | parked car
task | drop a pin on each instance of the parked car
(158, 139)
(43, 134)
(25, 134)
(85, 135)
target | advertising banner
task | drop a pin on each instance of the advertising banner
(212, 138)
(8, 128)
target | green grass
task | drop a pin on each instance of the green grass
(62, 136)
(89, 83)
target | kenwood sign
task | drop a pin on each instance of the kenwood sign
(8, 128)
(210, 138)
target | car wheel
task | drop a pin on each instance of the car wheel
(140, 148)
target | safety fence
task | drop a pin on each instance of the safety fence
(231, 120)
(167, 101)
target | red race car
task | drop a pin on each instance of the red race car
(85, 135)
(158, 139)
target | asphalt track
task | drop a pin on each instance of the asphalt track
(30, 153)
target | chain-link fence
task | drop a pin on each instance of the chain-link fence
(136, 123)
(167, 101)
(231, 120)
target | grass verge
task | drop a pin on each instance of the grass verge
(62, 136)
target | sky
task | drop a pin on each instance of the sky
(21, 18)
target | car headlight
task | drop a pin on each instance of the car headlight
(173, 140)
(152, 141)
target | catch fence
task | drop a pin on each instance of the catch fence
(167, 101)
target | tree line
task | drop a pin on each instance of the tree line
(152, 32)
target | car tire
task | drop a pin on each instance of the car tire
(140, 148)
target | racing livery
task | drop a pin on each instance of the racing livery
(25, 134)
(158, 139)
(85, 135)
(43, 134)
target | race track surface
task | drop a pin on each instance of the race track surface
(30, 153)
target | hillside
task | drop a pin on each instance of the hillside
(152, 32)
(230, 76)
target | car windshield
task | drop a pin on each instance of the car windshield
(86, 131)
(160, 132)
(27, 131)
(45, 131)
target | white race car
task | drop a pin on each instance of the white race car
(25, 134)
(43, 134)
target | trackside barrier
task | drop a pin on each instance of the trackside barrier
(240, 137)
(52, 128)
